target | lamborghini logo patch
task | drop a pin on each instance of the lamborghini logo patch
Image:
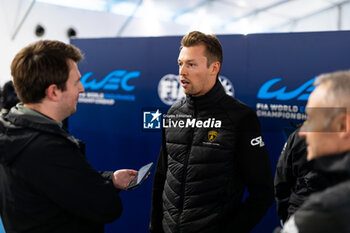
(212, 135)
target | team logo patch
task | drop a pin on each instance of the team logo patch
(257, 142)
(212, 135)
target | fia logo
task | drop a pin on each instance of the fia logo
(228, 86)
(152, 119)
(170, 90)
(212, 135)
(257, 141)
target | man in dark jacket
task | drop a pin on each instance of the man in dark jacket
(213, 153)
(296, 177)
(9, 98)
(327, 137)
(46, 183)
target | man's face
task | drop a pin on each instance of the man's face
(195, 76)
(70, 96)
(317, 131)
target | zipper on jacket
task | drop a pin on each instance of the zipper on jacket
(183, 183)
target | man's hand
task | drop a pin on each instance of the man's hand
(122, 178)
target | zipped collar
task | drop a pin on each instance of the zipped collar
(209, 99)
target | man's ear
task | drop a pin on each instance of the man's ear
(342, 125)
(215, 67)
(53, 93)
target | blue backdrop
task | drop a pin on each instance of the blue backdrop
(273, 73)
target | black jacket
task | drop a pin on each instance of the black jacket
(9, 98)
(296, 177)
(327, 211)
(202, 173)
(46, 183)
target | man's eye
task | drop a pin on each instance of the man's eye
(191, 64)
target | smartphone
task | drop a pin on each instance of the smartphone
(140, 176)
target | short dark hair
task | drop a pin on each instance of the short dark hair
(39, 65)
(211, 43)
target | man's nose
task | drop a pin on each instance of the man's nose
(303, 131)
(81, 89)
(182, 70)
(302, 134)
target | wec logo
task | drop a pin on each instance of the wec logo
(112, 82)
(301, 93)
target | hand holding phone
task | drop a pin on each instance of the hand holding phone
(140, 176)
(121, 178)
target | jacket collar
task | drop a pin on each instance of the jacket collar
(15, 136)
(39, 123)
(211, 97)
(28, 111)
(21, 116)
(338, 163)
